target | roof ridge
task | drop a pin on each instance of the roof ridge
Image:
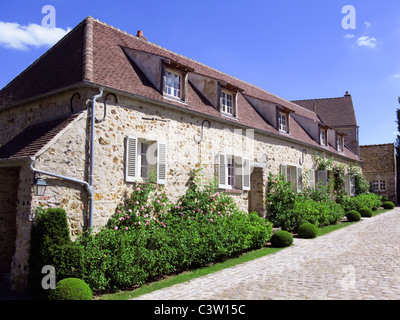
(88, 50)
(319, 99)
(202, 64)
(380, 144)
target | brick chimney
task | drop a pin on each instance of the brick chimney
(140, 35)
(347, 94)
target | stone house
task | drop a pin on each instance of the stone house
(103, 108)
(379, 167)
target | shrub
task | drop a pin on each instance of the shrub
(368, 200)
(51, 245)
(353, 216)
(366, 212)
(388, 205)
(71, 289)
(307, 230)
(281, 238)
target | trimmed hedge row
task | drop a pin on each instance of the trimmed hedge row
(117, 258)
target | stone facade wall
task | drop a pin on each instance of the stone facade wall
(69, 156)
(380, 164)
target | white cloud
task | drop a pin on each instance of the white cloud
(15, 36)
(366, 41)
(397, 75)
(348, 36)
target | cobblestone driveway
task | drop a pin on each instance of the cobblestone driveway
(361, 261)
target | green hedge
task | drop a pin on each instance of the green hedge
(123, 258)
(51, 245)
(367, 200)
(281, 239)
(149, 236)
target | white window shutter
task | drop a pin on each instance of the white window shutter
(161, 163)
(299, 174)
(222, 175)
(311, 180)
(283, 171)
(245, 174)
(131, 159)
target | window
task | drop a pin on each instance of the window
(228, 103)
(294, 175)
(173, 84)
(340, 143)
(379, 185)
(283, 123)
(142, 157)
(352, 183)
(233, 172)
(323, 139)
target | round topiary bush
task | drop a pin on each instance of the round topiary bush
(281, 239)
(71, 289)
(353, 216)
(388, 205)
(307, 230)
(365, 212)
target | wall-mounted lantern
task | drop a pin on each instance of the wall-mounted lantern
(39, 186)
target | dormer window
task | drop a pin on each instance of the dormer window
(283, 122)
(227, 103)
(339, 142)
(173, 84)
(323, 137)
(228, 95)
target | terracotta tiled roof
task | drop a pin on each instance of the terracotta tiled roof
(334, 112)
(94, 52)
(34, 138)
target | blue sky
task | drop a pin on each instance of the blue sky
(296, 49)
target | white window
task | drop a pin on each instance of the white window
(283, 127)
(293, 174)
(143, 156)
(352, 182)
(340, 144)
(378, 185)
(142, 160)
(227, 103)
(233, 172)
(173, 84)
(323, 137)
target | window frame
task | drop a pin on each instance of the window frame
(377, 185)
(133, 159)
(323, 141)
(239, 166)
(340, 143)
(174, 74)
(284, 128)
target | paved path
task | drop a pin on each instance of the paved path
(361, 261)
